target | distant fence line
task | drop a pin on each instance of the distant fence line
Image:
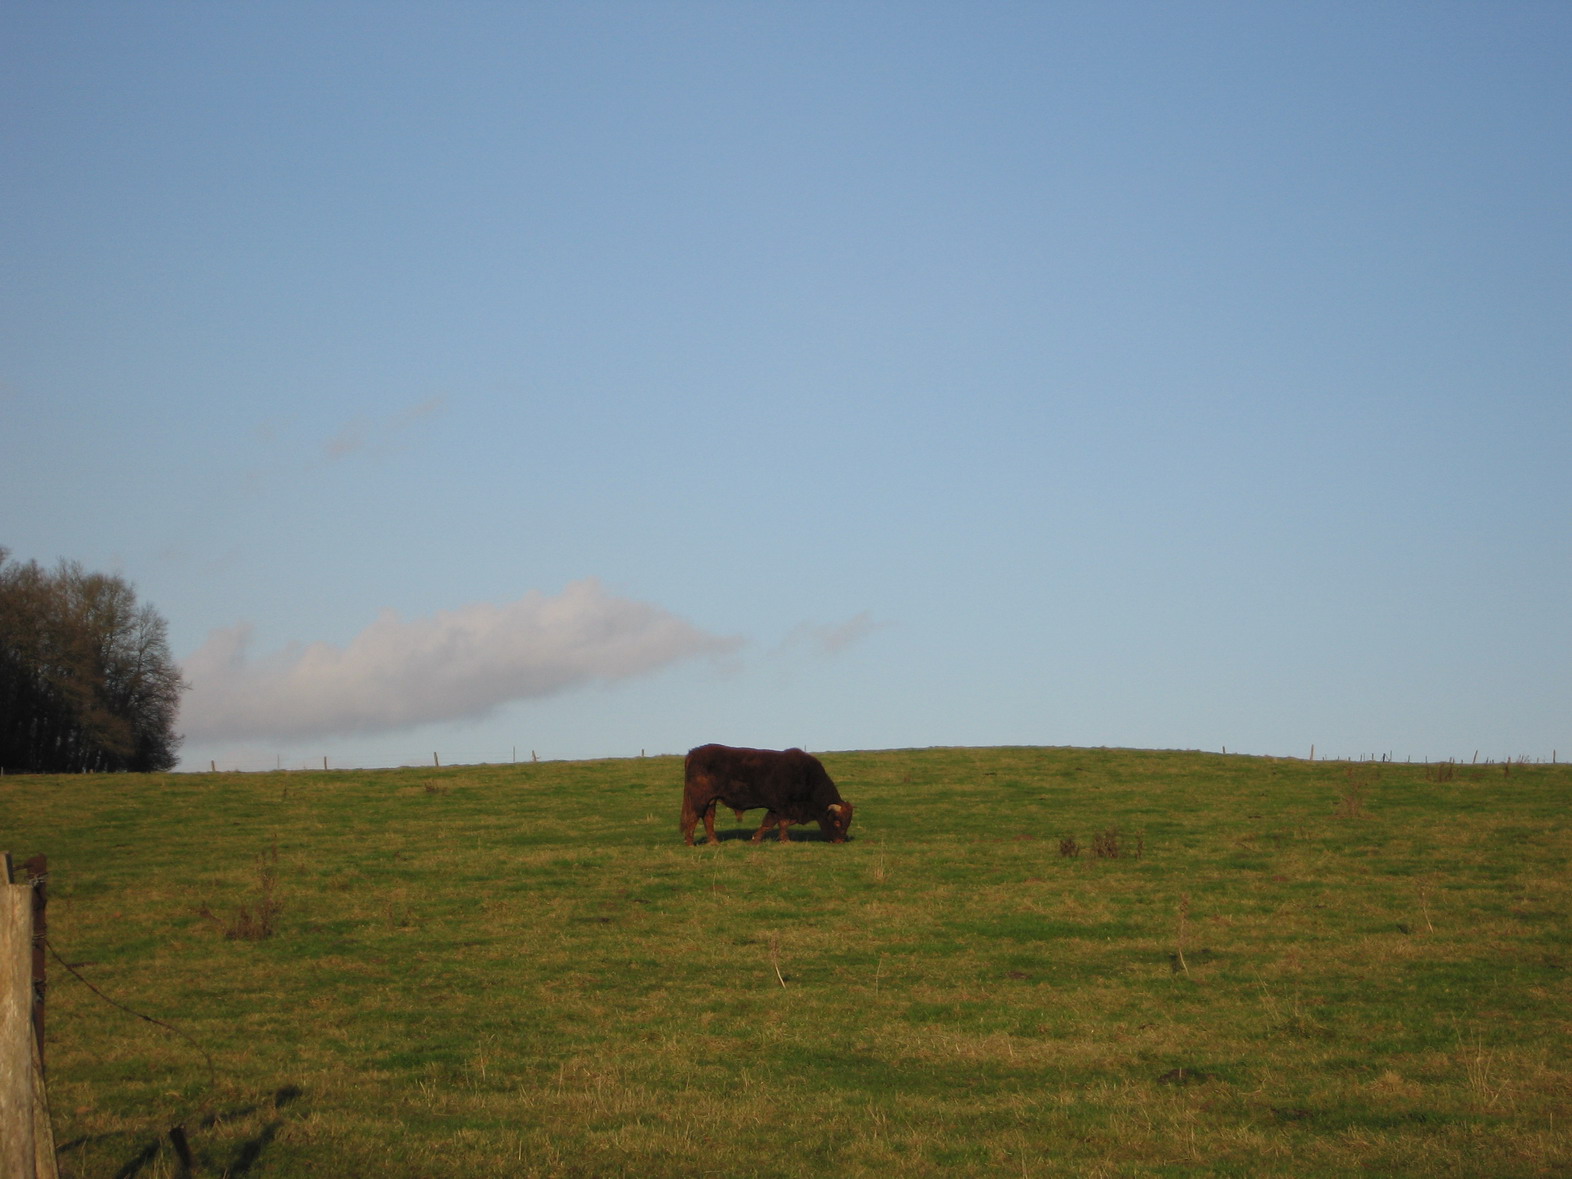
(260, 764)
(436, 759)
(1391, 759)
(520, 756)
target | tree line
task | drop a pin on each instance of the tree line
(87, 683)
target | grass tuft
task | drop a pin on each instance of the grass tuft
(1357, 781)
(257, 919)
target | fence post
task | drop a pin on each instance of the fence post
(27, 1140)
(38, 877)
(17, 1143)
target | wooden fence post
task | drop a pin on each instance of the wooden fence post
(17, 1143)
(27, 1141)
(38, 877)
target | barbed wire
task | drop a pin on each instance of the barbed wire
(212, 1071)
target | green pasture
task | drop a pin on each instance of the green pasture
(1024, 962)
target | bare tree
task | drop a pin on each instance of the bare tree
(87, 682)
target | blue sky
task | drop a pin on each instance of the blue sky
(594, 378)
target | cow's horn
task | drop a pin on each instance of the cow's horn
(836, 807)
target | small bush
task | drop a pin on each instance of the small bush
(1110, 845)
(1351, 801)
(1106, 845)
(258, 920)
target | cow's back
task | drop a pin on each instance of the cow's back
(743, 779)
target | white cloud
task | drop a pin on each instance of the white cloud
(372, 435)
(458, 664)
(832, 638)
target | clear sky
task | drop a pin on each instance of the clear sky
(590, 378)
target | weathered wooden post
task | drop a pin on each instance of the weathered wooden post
(44, 1162)
(27, 1147)
(38, 876)
(16, 1028)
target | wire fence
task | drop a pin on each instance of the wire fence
(520, 755)
(253, 763)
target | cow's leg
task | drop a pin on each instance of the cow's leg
(776, 820)
(709, 823)
(690, 820)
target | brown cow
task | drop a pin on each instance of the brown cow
(790, 785)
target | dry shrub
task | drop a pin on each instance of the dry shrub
(1351, 800)
(258, 920)
(1110, 845)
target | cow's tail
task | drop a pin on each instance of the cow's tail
(689, 820)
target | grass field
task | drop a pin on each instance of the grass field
(1273, 967)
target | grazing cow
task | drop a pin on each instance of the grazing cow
(790, 785)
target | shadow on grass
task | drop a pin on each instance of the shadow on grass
(798, 835)
(185, 1162)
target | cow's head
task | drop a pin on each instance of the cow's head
(837, 817)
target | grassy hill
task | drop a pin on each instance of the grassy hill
(1025, 962)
